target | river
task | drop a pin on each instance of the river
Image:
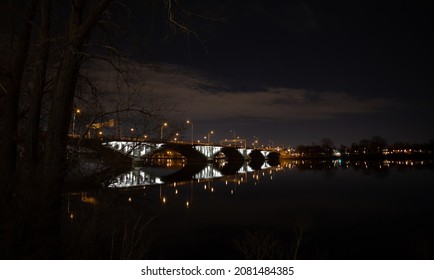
(330, 209)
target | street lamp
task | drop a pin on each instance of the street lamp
(209, 136)
(233, 132)
(74, 115)
(161, 131)
(255, 142)
(190, 122)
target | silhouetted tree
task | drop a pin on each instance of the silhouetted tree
(364, 146)
(431, 146)
(12, 64)
(377, 144)
(33, 201)
(327, 145)
(37, 86)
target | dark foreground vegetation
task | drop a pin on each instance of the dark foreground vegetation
(47, 52)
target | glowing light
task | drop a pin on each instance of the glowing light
(129, 199)
(176, 191)
(212, 189)
(164, 200)
(187, 204)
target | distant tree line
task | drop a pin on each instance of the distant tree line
(376, 146)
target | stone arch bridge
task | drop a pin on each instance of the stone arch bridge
(139, 150)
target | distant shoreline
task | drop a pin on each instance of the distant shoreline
(424, 156)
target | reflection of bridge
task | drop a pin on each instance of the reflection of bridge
(144, 176)
(192, 153)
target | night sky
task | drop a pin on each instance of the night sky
(293, 72)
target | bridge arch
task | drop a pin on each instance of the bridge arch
(232, 154)
(273, 158)
(257, 156)
(187, 151)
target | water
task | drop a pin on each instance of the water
(298, 209)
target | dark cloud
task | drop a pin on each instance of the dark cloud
(201, 98)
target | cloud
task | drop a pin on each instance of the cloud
(201, 98)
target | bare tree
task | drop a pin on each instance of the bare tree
(11, 74)
(37, 85)
(78, 31)
(327, 146)
(58, 45)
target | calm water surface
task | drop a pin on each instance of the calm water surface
(298, 209)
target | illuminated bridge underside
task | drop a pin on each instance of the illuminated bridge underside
(134, 149)
(193, 153)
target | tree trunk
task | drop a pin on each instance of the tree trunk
(38, 83)
(64, 89)
(11, 75)
(10, 81)
(60, 114)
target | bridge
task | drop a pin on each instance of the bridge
(140, 150)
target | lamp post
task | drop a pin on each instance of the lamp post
(190, 122)
(209, 136)
(161, 131)
(255, 142)
(74, 115)
(233, 132)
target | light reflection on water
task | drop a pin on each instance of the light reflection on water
(364, 206)
(172, 173)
